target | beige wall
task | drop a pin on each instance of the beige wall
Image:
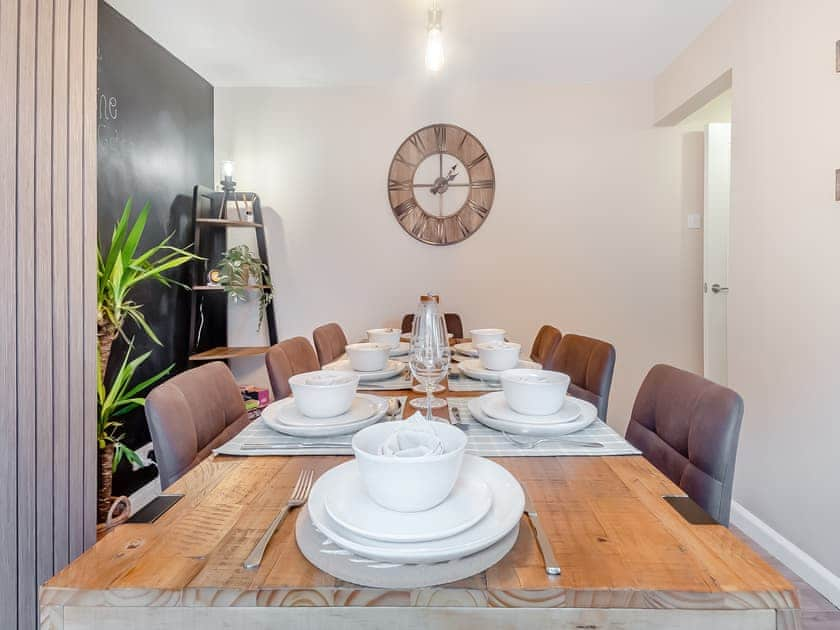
(587, 230)
(784, 306)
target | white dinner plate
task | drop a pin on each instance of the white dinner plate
(391, 369)
(474, 369)
(323, 427)
(503, 516)
(401, 350)
(588, 414)
(286, 412)
(496, 406)
(466, 349)
(348, 504)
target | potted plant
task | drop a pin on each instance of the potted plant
(240, 270)
(120, 269)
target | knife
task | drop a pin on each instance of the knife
(551, 566)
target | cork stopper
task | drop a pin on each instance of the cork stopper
(430, 297)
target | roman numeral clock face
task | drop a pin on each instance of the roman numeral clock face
(441, 184)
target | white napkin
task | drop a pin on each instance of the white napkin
(327, 380)
(414, 437)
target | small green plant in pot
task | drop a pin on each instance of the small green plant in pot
(120, 269)
(240, 271)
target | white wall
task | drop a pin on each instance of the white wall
(587, 230)
(784, 304)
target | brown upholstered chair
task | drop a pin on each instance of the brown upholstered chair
(590, 363)
(191, 414)
(330, 341)
(688, 428)
(287, 358)
(453, 324)
(545, 342)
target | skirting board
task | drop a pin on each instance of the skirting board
(806, 567)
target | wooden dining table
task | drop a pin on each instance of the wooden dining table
(628, 559)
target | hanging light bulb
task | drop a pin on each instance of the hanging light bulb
(434, 39)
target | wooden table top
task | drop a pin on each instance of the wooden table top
(620, 545)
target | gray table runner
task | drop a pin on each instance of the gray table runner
(482, 441)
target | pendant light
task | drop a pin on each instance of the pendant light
(434, 39)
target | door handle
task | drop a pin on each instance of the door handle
(716, 288)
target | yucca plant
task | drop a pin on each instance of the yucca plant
(121, 269)
(122, 396)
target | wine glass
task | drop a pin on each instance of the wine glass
(429, 364)
(429, 355)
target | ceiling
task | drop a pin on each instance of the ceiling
(342, 42)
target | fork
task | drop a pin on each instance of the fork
(533, 444)
(299, 495)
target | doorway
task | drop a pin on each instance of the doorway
(714, 122)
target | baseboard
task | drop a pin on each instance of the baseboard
(806, 567)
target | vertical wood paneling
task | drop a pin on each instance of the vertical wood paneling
(60, 324)
(8, 320)
(43, 291)
(48, 314)
(25, 280)
(89, 265)
(75, 238)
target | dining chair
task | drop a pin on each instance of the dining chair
(589, 363)
(453, 321)
(544, 343)
(191, 414)
(688, 428)
(287, 358)
(330, 342)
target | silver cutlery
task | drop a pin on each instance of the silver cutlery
(528, 444)
(394, 408)
(456, 413)
(299, 495)
(551, 565)
(259, 446)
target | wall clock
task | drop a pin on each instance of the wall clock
(441, 184)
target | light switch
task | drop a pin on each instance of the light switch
(695, 221)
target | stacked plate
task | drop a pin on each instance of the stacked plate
(284, 416)
(473, 368)
(494, 411)
(392, 368)
(485, 506)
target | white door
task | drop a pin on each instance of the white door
(716, 249)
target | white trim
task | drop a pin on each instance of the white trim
(806, 567)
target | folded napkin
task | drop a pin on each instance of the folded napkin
(327, 380)
(414, 437)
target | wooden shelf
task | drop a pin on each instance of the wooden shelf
(228, 223)
(214, 287)
(223, 352)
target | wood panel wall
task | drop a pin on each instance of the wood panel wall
(48, 303)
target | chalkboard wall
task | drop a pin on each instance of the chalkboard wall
(155, 142)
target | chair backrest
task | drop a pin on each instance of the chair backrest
(544, 343)
(191, 414)
(453, 321)
(589, 363)
(330, 342)
(688, 428)
(287, 358)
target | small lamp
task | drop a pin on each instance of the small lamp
(228, 187)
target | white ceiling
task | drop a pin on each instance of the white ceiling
(340, 42)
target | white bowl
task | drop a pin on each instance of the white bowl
(499, 355)
(324, 394)
(388, 336)
(535, 392)
(368, 357)
(487, 335)
(408, 484)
